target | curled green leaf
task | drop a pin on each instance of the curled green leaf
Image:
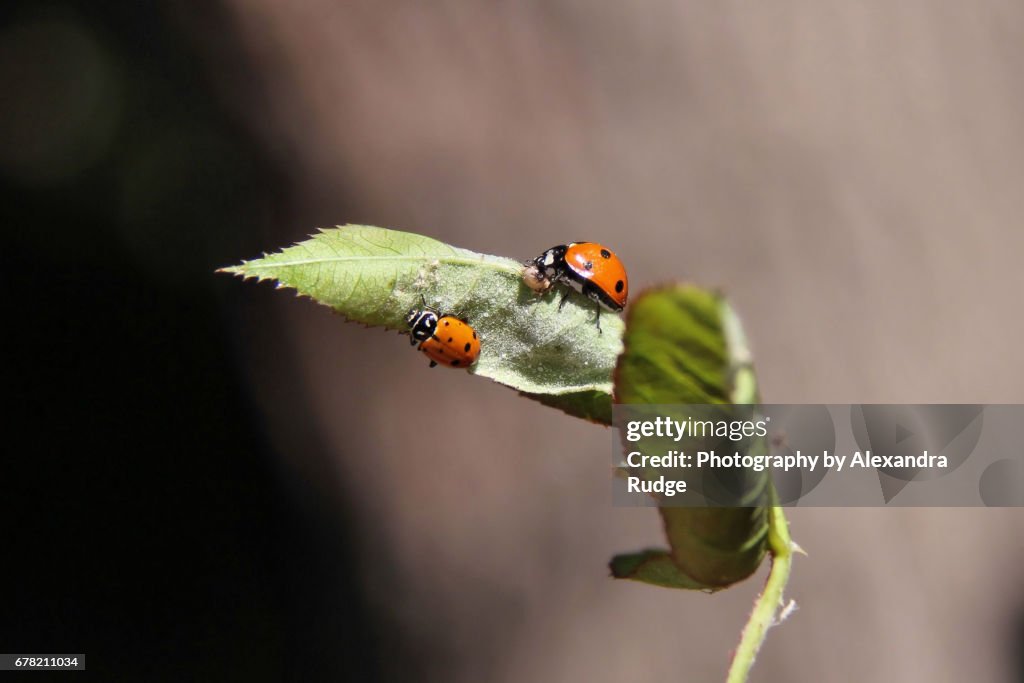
(684, 345)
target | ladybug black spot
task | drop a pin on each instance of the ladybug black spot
(619, 286)
(467, 347)
(474, 335)
(605, 253)
(589, 265)
(446, 323)
(449, 340)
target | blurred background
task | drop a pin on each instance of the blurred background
(210, 480)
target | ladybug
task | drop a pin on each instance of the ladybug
(445, 339)
(589, 268)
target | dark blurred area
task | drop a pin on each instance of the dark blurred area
(206, 479)
(147, 521)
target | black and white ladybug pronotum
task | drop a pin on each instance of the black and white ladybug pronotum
(445, 339)
(590, 268)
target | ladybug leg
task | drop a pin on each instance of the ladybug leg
(598, 320)
(565, 297)
(433, 363)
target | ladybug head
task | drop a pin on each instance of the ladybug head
(422, 324)
(535, 278)
(414, 313)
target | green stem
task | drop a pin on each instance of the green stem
(769, 602)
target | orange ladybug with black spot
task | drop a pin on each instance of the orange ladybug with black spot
(445, 339)
(590, 268)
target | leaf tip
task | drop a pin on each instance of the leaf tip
(625, 566)
(239, 271)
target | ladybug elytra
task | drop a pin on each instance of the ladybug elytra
(445, 339)
(590, 268)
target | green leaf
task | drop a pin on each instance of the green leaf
(684, 345)
(375, 276)
(655, 567)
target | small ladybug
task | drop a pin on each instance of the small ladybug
(589, 268)
(445, 339)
